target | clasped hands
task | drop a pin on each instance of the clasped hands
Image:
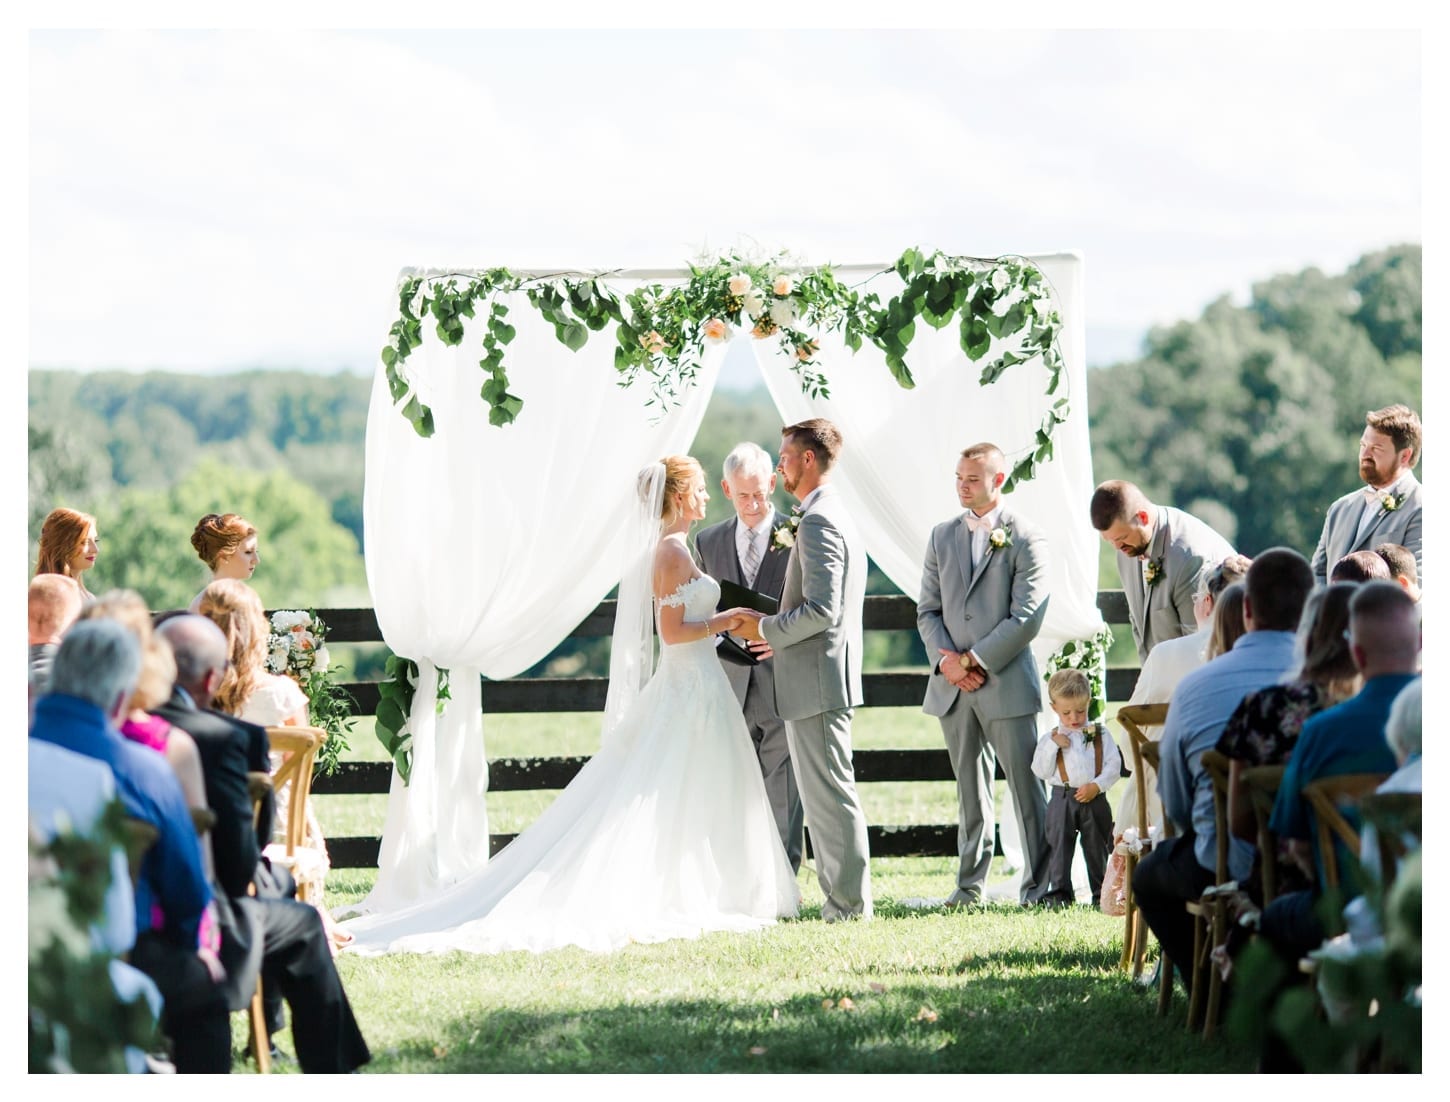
(744, 623)
(961, 669)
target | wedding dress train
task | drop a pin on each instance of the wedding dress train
(665, 833)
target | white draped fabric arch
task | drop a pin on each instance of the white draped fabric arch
(486, 546)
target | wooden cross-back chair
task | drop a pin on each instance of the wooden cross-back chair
(1133, 718)
(1262, 783)
(1210, 915)
(1326, 797)
(1394, 815)
(140, 837)
(1149, 753)
(298, 746)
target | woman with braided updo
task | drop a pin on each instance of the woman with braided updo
(227, 544)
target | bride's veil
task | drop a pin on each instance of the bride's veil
(631, 652)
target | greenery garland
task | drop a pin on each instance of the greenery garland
(1090, 656)
(661, 332)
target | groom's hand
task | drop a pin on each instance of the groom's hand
(749, 628)
(760, 649)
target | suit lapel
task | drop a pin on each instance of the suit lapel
(964, 552)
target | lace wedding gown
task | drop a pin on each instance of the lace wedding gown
(665, 833)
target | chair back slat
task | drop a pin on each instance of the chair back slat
(1133, 718)
(1262, 782)
(1327, 796)
(299, 746)
(1215, 765)
(140, 837)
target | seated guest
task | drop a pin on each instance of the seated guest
(1402, 733)
(92, 679)
(228, 545)
(1177, 870)
(70, 791)
(53, 605)
(153, 688)
(68, 546)
(282, 937)
(1167, 664)
(248, 690)
(1401, 563)
(1360, 566)
(1384, 639)
(1265, 727)
(1227, 625)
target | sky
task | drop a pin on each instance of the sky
(242, 198)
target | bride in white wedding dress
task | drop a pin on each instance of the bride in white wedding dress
(667, 831)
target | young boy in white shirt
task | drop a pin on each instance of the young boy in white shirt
(1080, 762)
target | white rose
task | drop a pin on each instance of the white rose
(321, 660)
(754, 304)
(277, 659)
(739, 284)
(782, 286)
(782, 312)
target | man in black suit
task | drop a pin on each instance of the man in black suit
(745, 550)
(280, 936)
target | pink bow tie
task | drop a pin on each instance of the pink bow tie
(976, 523)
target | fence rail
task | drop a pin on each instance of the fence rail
(586, 694)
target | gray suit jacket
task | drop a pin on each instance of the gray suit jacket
(716, 554)
(1183, 545)
(817, 634)
(1341, 524)
(996, 610)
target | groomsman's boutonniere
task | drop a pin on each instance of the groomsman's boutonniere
(1153, 572)
(1000, 538)
(784, 538)
(1390, 502)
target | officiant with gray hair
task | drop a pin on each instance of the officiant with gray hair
(751, 549)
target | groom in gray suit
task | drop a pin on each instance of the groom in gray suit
(1386, 509)
(744, 550)
(983, 597)
(816, 639)
(1162, 555)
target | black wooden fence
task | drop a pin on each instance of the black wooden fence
(586, 694)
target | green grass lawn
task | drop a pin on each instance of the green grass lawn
(919, 989)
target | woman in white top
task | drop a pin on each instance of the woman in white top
(249, 691)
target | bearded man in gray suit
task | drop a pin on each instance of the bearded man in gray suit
(816, 640)
(1386, 509)
(983, 597)
(1162, 554)
(744, 550)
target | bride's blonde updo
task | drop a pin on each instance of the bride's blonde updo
(680, 471)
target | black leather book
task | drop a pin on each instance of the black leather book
(737, 596)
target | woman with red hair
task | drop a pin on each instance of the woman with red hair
(68, 545)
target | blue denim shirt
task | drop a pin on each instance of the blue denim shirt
(1200, 708)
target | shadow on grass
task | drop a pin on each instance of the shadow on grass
(1044, 1020)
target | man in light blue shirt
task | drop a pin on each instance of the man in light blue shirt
(1179, 868)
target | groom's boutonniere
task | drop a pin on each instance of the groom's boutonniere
(1390, 502)
(784, 538)
(1000, 538)
(1153, 572)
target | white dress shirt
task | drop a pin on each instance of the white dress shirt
(1078, 756)
(1373, 505)
(759, 535)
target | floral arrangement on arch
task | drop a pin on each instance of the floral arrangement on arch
(1090, 656)
(297, 648)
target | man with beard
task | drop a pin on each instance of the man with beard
(1386, 509)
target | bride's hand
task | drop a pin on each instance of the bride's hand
(729, 620)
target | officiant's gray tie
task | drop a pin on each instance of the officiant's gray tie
(752, 560)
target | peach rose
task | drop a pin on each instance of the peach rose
(782, 286)
(763, 328)
(739, 284)
(716, 330)
(652, 342)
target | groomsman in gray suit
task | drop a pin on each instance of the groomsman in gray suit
(744, 550)
(1386, 509)
(816, 639)
(983, 597)
(1162, 554)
